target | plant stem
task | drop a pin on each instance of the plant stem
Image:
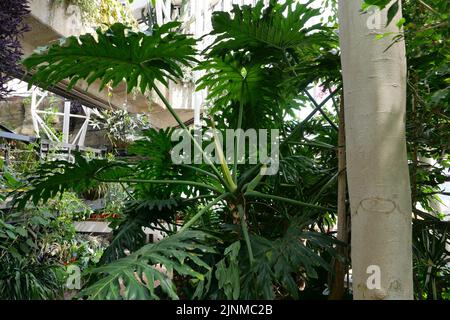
(201, 212)
(169, 107)
(291, 201)
(183, 126)
(326, 185)
(340, 268)
(238, 138)
(223, 163)
(299, 127)
(182, 182)
(427, 6)
(206, 173)
(245, 232)
(126, 191)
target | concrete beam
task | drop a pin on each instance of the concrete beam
(92, 227)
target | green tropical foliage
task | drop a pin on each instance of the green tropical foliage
(137, 275)
(244, 200)
(232, 232)
(115, 54)
(428, 126)
(35, 243)
(431, 254)
(54, 178)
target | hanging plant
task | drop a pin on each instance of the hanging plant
(102, 12)
(12, 27)
(121, 127)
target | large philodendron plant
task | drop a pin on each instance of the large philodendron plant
(243, 84)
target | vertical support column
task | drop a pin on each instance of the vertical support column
(159, 13)
(198, 18)
(198, 31)
(227, 5)
(66, 122)
(197, 108)
(33, 112)
(85, 127)
(193, 4)
(7, 154)
(163, 11)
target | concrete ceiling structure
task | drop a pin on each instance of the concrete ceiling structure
(50, 22)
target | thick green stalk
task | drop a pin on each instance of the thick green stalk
(183, 126)
(223, 163)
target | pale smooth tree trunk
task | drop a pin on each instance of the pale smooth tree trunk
(377, 169)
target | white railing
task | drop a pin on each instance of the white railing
(39, 125)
